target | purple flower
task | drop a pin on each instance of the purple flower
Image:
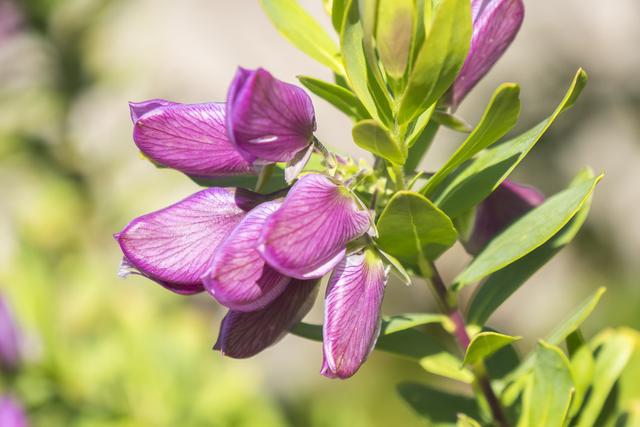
(10, 336)
(352, 313)
(175, 245)
(11, 413)
(495, 25)
(188, 137)
(268, 120)
(308, 235)
(503, 207)
(11, 20)
(245, 334)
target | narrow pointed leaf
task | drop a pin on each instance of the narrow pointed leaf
(394, 31)
(614, 354)
(440, 58)
(475, 180)
(484, 345)
(338, 10)
(583, 365)
(297, 26)
(528, 233)
(411, 228)
(341, 98)
(452, 122)
(503, 283)
(419, 144)
(371, 136)
(551, 388)
(498, 119)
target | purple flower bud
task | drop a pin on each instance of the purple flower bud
(244, 334)
(188, 137)
(10, 353)
(268, 120)
(352, 313)
(495, 25)
(11, 413)
(239, 278)
(175, 245)
(503, 207)
(308, 235)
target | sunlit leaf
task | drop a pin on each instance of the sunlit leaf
(549, 394)
(484, 345)
(499, 117)
(394, 33)
(371, 136)
(341, 98)
(411, 228)
(473, 181)
(297, 26)
(503, 283)
(527, 233)
(440, 58)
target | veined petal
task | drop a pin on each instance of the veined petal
(12, 413)
(352, 313)
(10, 337)
(188, 137)
(268, 119)
(175, 245)
(244, 334)
(308, 235)
(502, 208)
(495, 25)
(239, 278)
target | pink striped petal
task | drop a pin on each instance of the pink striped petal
(495, 25)
(239, 278)
(188, 137)
(175, 245)
(244, 335)
(308, 235)
(267, 119)
(352, 313)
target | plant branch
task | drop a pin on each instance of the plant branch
(462, 337)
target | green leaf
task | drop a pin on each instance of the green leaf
(451, 121)
(371, 136)
(465, 421)
(503, 283)
(582, 365)
(484, 345)
(437, 406)
(419, 126)
(498, 119)
(355, 62)
(338, 10)
(613, 355)
(473, 181)
(394, 33)
(412, 229)
(527, 233)
(440, 58)
(341, 98)
(297, 26)
(549, 393)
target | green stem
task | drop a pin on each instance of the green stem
(481, 377)
(399, 177)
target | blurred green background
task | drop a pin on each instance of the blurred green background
(109, 352)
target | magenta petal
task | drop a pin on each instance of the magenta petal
(10, 337)
(495, 25)
(188, 137)
(12, 413)
(267, 119)
(244, 334)
(352, 313)
(175, 245)
(503, 207)
(308, 235)
(239, 278)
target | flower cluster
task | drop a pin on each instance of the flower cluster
(261, 256)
